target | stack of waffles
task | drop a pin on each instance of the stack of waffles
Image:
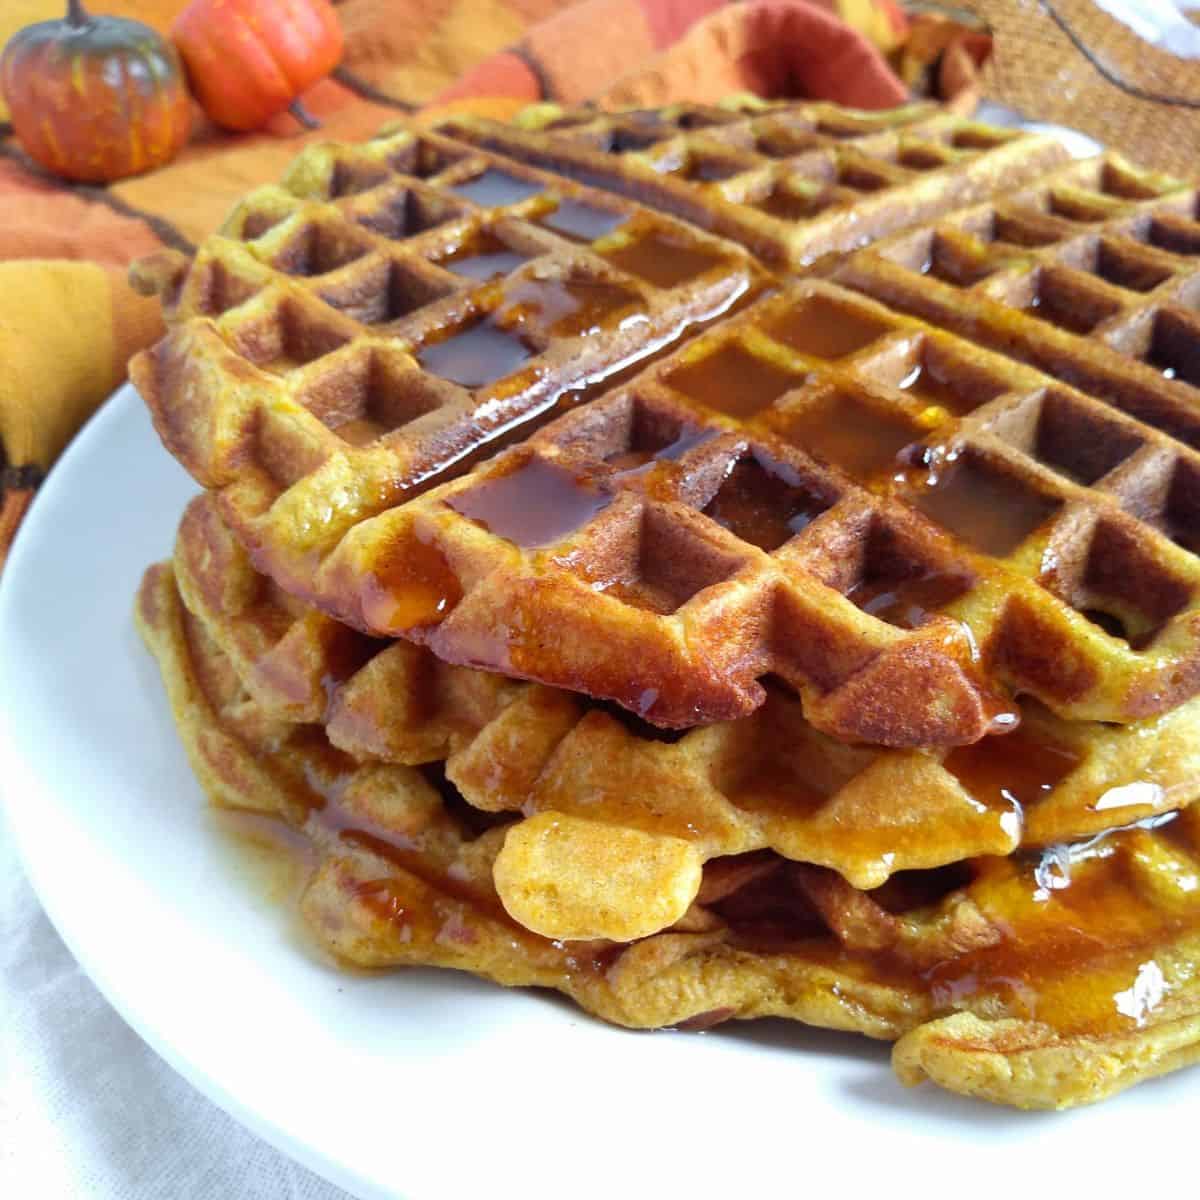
(716, 563)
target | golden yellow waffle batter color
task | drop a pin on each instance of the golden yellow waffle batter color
(619, 820)
(1041, 982)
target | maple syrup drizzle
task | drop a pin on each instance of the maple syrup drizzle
(764, 502)
(475, 356)
(571, 307)
(633, 461)
(935, 387)
(571, 398)
(1078, 942)
(1021, 767)
(990, 511)
(413, 586)
(483, 257)
(318, 816)
(823, 328)
(662, 260)
(839, 429)
(581, 222)
(385, 896)
(790, 205)
(907, 602)
(495, 188)
(733, 381)
(535, 505)
(273, 855)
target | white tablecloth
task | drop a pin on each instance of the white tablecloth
(87, 1110)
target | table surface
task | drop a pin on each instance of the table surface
(87, 1110)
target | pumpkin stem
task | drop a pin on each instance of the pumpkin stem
(297, 109)
(75, 13)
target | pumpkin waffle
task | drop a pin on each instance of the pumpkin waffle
(593, 785)
(792, 182)
(819, 490)
(1091, 274)
(390, 310)
(1039, 981)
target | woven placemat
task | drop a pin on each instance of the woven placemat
(1040, 66)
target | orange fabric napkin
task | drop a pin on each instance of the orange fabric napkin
(68, 319)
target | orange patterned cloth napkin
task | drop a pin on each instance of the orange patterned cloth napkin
(68, 319)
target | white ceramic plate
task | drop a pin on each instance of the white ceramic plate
(428, 1085)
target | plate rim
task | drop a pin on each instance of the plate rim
(322, 1164)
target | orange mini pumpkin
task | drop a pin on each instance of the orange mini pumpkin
(248, 60)
(95, 98)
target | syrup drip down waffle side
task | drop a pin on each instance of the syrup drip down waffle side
(887, 519)
(618, 821)
(792, 182)
(299, 492)
(390, 311)
(1041, 981)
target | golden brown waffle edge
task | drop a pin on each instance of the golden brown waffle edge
(620, 818)
(793, 182)
(672, 543)
(400, 880)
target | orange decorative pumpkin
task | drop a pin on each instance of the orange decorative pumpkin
(95, 98)
(250, 59)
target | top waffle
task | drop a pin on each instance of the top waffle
(792, 182)
(902, 527)
(714, 522)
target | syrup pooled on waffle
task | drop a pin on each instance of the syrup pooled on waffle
(619, 820)
(390, 311)
(793, 182)
(891, 521)
(322, 429)
(1041, 981)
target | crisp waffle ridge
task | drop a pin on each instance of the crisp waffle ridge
(793, 182)
(768, 781)
(391, 310)
(1091, 274)
(710, 524)
(993, 983)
